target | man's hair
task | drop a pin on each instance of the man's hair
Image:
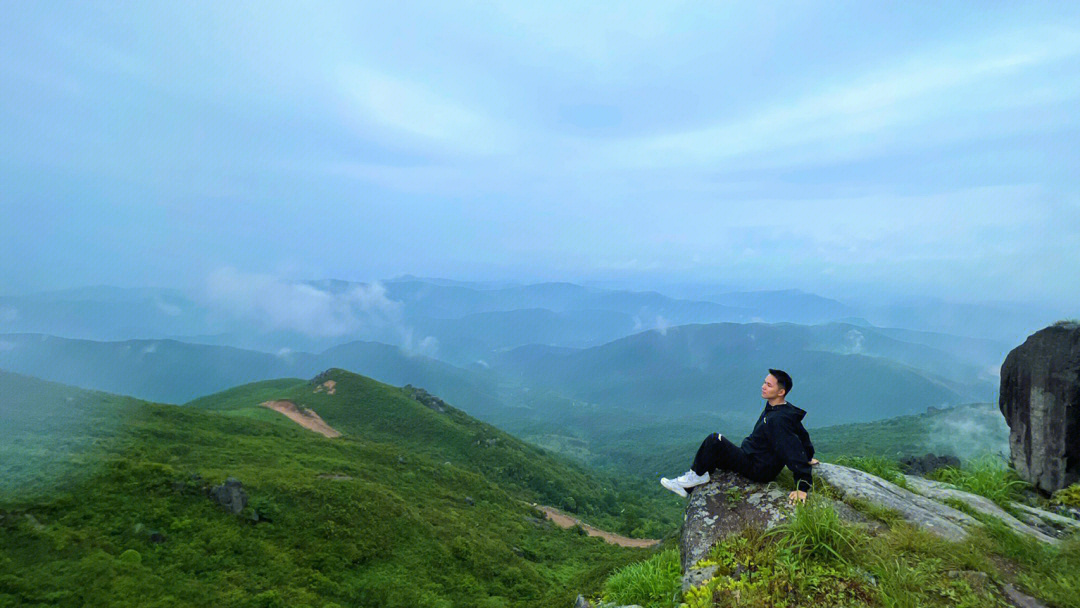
(783, 378)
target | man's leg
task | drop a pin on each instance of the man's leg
(716, 452)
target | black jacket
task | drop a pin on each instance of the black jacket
(779, 439)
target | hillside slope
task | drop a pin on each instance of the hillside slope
(399, 511)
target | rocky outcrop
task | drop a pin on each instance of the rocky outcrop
(943, 491)
(921, 465)
(1040, 399)
(429, 400)
(729, 504)
(853, 484)
(230, 495)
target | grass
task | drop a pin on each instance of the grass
(987, 476)
(653, 583)
(814, 531)
(1068, 496)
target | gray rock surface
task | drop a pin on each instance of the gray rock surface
(727, 505)
(1040, 399)
(940, 519)
(1047, 521)
(230, 495)
(944, 491)
(1019, 598)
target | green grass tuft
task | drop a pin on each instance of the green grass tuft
(653, 583)
(988, 476)
(814, 531)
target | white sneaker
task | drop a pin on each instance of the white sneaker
(690, 479)
(673, 485)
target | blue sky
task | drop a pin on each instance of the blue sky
(842, 148)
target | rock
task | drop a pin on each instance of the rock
(695, 577)
(1047, 521)
(230, 495)
(921, 465)
(157, 537)
(943, 491)
(711, 517)
(1040, 399)
(469, 501)
(581, 602)
(426, 398)
(940, 519)
(1020, 599)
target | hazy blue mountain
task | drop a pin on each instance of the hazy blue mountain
(1003, 322)
(718, 368)
(790, 305)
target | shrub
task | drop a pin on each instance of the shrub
(653, 583)
(1070, 496)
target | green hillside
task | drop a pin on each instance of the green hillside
(410, 507)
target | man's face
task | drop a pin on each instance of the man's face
(771, 389)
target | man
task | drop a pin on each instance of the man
(778, 440)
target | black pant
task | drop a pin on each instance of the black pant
(717, 452)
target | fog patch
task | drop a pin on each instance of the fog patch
(969, 431)
(638, 326)
(169, 309)
(277, 304)
(662, 325)
(150, 348)
(853, 342)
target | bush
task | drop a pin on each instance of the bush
(1070, 496)
(653, 583)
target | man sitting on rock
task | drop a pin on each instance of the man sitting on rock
(778, 439)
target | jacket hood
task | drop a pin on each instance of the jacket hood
(788, 409)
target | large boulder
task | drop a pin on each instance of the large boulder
(230, 495)
(730, 503)
(1040, 399)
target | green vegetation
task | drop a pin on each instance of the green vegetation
(987, 476)
(1069, 496)
(814, 531)
(410, 508)
(653, 583)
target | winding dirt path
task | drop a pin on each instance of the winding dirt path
(302, 416)
(565, 521)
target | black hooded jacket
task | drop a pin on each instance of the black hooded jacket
(779, 440)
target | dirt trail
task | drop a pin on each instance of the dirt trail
(328, 386)
(565, 521)
(302, 416)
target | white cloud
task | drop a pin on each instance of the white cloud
(662, 325)
(170, 309)
(279, 304)
(418, 111)
(872, 112)
(150, 348)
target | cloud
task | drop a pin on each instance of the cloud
(417, 111)
(170, 309)
(662, 325)
(278, 304)
(873, 112)
(853, 342)
(150, 348)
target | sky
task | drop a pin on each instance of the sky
(840, 148)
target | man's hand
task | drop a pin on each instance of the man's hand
(797, 496)
(814, 461)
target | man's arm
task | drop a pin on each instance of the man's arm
(789, 446)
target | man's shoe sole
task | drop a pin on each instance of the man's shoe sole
(672, 485)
